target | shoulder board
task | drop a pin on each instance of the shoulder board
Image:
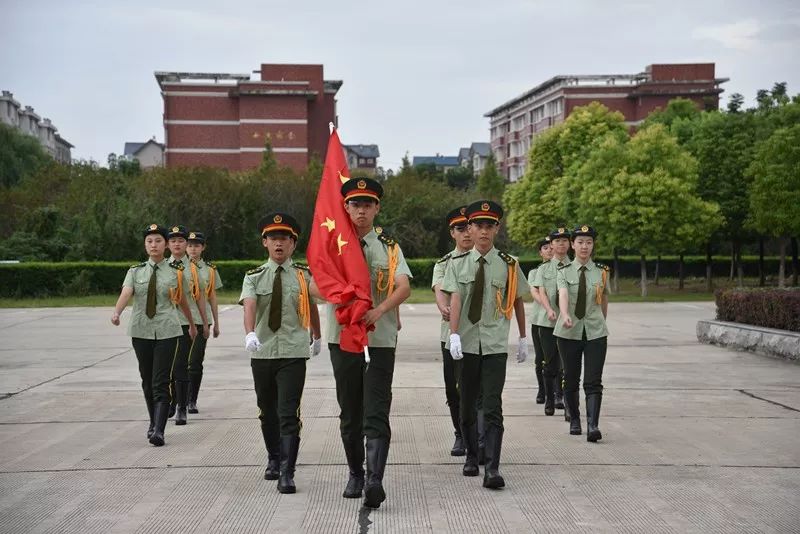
(177, 264)
(210, 265)
(389, 241)
(601, 266)
(255, 271)
(301, 266)
(445, 258)
(139, 265)
(506, 257)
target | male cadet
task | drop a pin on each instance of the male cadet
(486, 286)
(543, 247)
(457, 222)
(364, 392)
(547, 296)
(177, 241)
(278, 314)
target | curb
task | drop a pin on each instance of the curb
(781, 344)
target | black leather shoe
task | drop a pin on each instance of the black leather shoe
(354, 451)
(160, 411)
(574, 413)
(151, 411)
(540, 396)
(494, 444)
(289, 448)
(377, 454)
(194, 390)
(593, 402)
(549, 394)
(458, 447)
(273, 470)
(182, 392)
(470, 436)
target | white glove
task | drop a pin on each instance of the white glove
(522, 350)
(455, 347)
(251, 342)
(316, 346)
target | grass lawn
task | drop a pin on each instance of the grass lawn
(666, 291)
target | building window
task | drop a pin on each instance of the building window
(370, 161)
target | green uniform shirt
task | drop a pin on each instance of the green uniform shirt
(376, 252)
(439, 269)
(490, 334)
(187, 285)
(203, 273)
(537, 311)
(593, 322)
(547, 278)
(291, 340)
(166, 323)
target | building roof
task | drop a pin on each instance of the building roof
(441, 161)
(463, 153)
(364, 151)
(64, 141)
(131, 149)
(481, 149)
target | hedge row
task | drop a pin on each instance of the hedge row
(770, 308)
(41, 279)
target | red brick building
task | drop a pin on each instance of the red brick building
(517, 122)
(224, 120)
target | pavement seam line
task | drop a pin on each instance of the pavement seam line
(767, 400)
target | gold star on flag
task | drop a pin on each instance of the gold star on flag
(329, 223)
(342, 177)
(341, 242)
(280, 134)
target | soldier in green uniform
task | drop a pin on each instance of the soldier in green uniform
(457, 223)
(543, 247)
(176, 241)
(278, 315)
(155, 327)
(581, 330)
(547, 295)
(205, 280)
(486, 286)
(364, 392)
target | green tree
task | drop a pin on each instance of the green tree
(677, 108)
(735, 103)
(20, 155)
(491, 184)
(775, 190)
(460, 178)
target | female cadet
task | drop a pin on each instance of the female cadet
(156, 287)
(581, 330)
(179, 377)
(205, 280)
(278, 314)
(545, 253)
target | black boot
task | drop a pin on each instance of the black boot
(354, 450)
(272, 441)
(470, 435)
(160, 412)
(593, 402)
(182, 394)
(559, 397)
(494, 443)
(481, 438)
(549, 396)
(194, 389)
(289, 447)
(150, 410)
(458, 445)
(377, 454)
(574, 413)
(540, 395)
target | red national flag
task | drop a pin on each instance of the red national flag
(334, 252)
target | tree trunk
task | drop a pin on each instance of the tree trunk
(733, 261)
(761, 275)
(658, 266)
(709, 273)
(739, 266)
(644, 276)
(616, 271)
(680, 271)
(782, 268)
(795, 264)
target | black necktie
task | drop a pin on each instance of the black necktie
(275, 304)
(150, 308)
(476, 304)
(580, 304)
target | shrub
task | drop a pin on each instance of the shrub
(770, 308)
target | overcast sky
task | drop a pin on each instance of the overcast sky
(418, 75)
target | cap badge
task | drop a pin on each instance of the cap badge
(192, 235)
(277, 219)
(153, 227)
(176, 229)
(485, 206)
(562, 231)
(462, 211)
(584, 228)
(378, 230)
(361, 184)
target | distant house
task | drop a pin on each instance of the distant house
(463, 157)
(362, 157)
(27, 121)
(444, 163)
(478, 154)
(149, 154)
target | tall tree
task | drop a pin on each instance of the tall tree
(491, 184)
(20, 155)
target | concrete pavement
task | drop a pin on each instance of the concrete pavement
(695, 439)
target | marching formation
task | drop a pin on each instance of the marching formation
(478, 289)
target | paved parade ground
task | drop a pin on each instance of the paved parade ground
(695, 439)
